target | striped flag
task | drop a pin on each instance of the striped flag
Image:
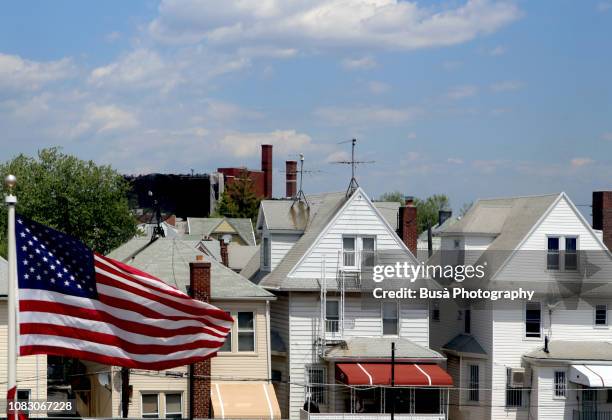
(74, 302)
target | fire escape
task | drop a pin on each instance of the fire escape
(346, 278)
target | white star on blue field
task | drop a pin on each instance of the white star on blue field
(471, 98)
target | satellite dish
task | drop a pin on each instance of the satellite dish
(227, 238)
(103, 378)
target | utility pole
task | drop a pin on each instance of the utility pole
(393, 380)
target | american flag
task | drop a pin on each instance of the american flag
(77, 303)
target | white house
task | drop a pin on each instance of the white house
(331, 340)
(545, 358)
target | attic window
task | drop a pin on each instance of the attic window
(266, 252)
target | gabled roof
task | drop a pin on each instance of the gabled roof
(168, 259)
(508, 220)
(370, 348)
(437, 229)
(205, 226)
(389, 210)
(464, 343)
(313, 219)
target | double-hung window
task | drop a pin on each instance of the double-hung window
(349, 249)
(358, 250)
(571, 254)
(390, 318)
(315, 389)
(552, 257)
(562, 253)
(533, 320)
(150, 406)
(514, 396)
(174, 406)
(246, 331)
(227, 345)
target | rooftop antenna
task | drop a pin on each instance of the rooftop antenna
(353, 185)
(300, 194)
(158, 230)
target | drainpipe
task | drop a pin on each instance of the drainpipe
(393, 380)
(268, 359)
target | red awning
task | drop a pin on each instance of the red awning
(380, 374)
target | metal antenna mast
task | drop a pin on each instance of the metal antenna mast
(353, 184)
(300, 194)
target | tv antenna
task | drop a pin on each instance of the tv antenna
(299, 196)
(353, 184)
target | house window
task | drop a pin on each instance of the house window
(266, 252)
(315, 389)
(514, 396)
(601, 315)
(474, 384)
(332, 316)
(467, 321)
(23, 395)
(560, 385)
(571, 254)
(435, 312)
(552, 258)
(533, 319)
(174, 406)
(390, 317)
(150, 406)
(609, 396)
(368, 254)
(227, 346)
(348, 251)
(246, 331)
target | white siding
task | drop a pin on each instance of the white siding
(280, 244)
(359, 218)
(31, 370)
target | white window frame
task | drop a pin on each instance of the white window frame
(595, 309)
(562, 251)
(254, 331)
(525, 336)
(166, 413)
(328, 321)
(382, 318)
(565, 238)
(231, 336)
(559, 239)
(355, 265)
(142, 413)
(559, 389)
(358, 250)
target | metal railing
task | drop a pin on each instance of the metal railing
(591, 415)
(368, 416)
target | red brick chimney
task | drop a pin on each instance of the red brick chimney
(266, 167)
(199, 373)
(407, 227)
(224, 253)
(602, 215)
(291, 178)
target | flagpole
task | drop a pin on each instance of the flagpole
(11, 201)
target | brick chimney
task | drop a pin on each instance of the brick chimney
(224, 253)
(266, 167)
(291, 178)
(407, 227)
(199, 373)
(602, 215)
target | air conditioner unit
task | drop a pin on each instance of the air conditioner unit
(518, 378)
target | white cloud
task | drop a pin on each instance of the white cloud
(285, 142)
(507, 86)
(359, 63)
(461, 92)
(579, 162)
(112, 36)
(455, 161)
(17, 73)
(360, 115)
(411, 136)
(604, 6)
(378, 88)
(607, 136)
(331, 23)
(104, 118)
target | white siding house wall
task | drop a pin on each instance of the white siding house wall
(280, 244)
(359, 218)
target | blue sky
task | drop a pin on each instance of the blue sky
(477, 98)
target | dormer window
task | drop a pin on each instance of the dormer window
(266, 252)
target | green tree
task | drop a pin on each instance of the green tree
(77, 197)
(465, 208)
(393, 196)
(239, 198)
(427, 210)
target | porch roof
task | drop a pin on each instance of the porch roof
(464, 343)
(379, 349)
(573, 351)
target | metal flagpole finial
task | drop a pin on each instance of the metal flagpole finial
(10, 181)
